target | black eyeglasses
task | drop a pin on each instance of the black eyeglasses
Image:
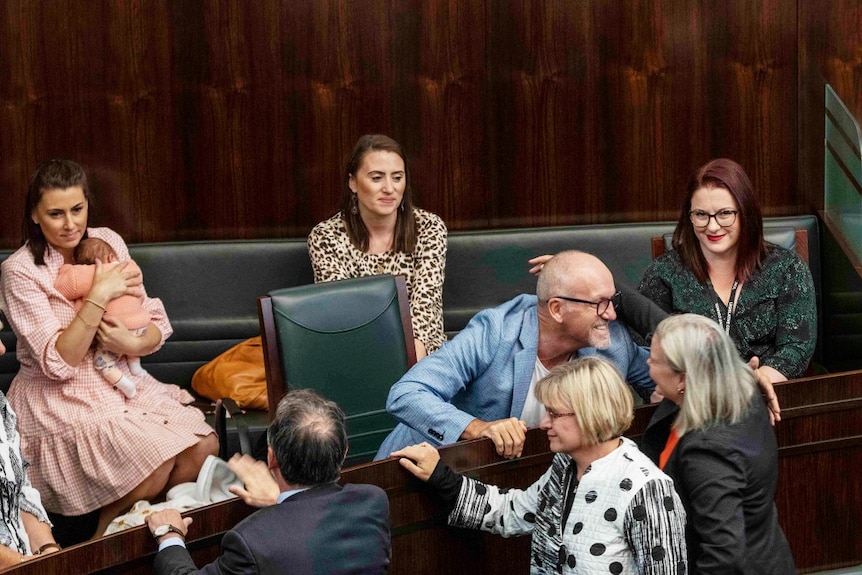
(724, 218)
(601, 306)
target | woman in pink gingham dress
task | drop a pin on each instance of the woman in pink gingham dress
(88, 445)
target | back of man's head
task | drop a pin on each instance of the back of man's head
(309, 438)
(568, 272)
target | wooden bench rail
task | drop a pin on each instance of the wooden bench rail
(819, 498)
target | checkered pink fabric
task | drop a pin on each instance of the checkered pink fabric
(87, 444)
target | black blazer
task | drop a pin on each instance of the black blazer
(326, 529)
(726, 477)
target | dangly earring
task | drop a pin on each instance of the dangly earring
(354, 208)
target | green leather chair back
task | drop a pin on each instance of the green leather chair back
(350, 340)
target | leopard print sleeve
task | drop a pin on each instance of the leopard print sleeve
(429, 264)
(333, 257)
(329, 250)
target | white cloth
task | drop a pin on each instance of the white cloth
(212, 485)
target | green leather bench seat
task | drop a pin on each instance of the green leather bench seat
(210, 288)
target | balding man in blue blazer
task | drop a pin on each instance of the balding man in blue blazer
(480, 383)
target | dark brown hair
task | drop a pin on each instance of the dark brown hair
(405, 223)
(751, 247)
(88, 249)
(309, 438)
(54, 174)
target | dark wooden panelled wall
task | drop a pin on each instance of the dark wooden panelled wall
(232, 119)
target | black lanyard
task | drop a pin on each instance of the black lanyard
(731, 304)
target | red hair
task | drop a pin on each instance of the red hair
(751, 247)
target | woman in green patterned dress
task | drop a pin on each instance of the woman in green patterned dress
(722, 268)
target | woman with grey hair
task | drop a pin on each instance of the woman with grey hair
(602, 507)
(712, 435)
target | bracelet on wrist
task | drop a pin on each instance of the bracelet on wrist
(52, 545)
(83, 321)
(98, 305)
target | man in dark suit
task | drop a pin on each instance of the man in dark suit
(316, 526)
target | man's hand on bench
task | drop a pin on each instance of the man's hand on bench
(508, 434)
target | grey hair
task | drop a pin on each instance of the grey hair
(718, 384)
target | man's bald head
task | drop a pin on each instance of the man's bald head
(571, 273)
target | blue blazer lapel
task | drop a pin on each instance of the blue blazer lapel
(525, 361)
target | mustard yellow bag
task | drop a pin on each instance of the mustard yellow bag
(238, 373)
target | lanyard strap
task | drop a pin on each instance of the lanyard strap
(731, 304)
(672, 440)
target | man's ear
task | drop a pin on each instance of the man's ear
(271, 461)
(554, 306)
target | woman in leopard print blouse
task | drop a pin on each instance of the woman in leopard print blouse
(378, 231)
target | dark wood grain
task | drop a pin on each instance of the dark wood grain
(830, 34)
(229, 119)
(819, 500)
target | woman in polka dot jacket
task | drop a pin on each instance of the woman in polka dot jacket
(602, 507)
